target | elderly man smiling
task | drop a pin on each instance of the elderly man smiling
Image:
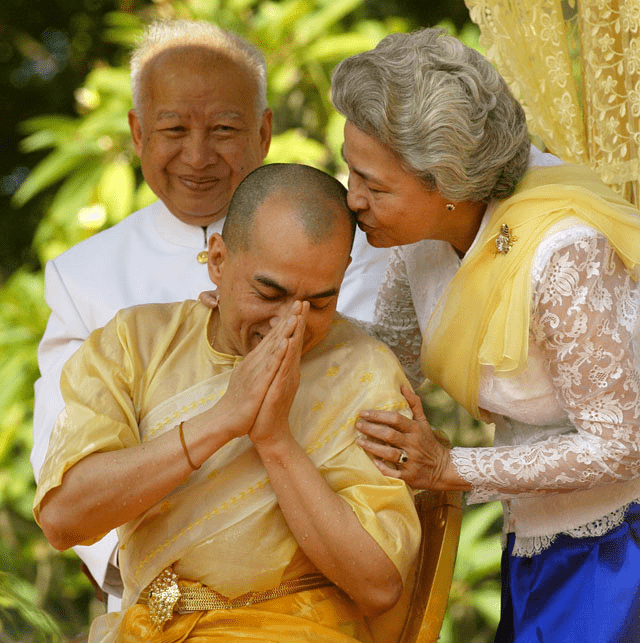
(200, 124)
(222, 442)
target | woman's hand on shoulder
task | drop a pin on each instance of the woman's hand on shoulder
(409, 449)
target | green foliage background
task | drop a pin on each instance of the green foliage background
(83, 176)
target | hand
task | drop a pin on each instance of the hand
(428, 464)
(272, 422)
(209, 298)
(253, 376)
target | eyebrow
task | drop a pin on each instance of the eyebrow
(170, 114)
(166, 115)
(270, 283)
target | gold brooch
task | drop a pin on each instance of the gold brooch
(504, 240)
(163, 595)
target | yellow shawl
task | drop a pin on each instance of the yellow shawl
(482, 319)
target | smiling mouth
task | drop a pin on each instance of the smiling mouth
(199, 184)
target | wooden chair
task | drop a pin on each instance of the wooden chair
(440, 515)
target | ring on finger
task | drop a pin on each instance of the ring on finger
(404, 458)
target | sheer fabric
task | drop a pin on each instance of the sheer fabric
(575, 67)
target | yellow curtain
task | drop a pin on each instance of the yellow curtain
(575, 67)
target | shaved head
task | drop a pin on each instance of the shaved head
(320, 202)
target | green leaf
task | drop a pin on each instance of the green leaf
(239, 6)
(18, 596)
(63, 125)
(477, 522)
(483, 560)
(39, 141)
(116, 190)
(335, 136)
(336, 48)
(75, 193)
(123, 19)
(110, 119)
(22, 302)
(487, 602)
(14, 376)
(113, 80)
(50, 170)
(318, 23)
(294, 147)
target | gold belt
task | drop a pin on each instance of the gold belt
(164, 596)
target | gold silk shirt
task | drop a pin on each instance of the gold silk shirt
(152, 367)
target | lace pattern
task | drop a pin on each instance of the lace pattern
(527, 547)
(585, 319)
(573, 425)
(395, 321)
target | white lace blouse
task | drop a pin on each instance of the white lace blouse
(566, 454)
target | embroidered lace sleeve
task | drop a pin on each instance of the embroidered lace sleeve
(395, 321)
(585, 317)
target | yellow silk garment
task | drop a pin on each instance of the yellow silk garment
(151, 368)
(321, 615)
(482, 319)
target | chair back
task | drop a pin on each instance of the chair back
(440, 514)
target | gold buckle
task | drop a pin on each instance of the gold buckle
(163, 595)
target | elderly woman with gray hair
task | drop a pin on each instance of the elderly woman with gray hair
(513, 286)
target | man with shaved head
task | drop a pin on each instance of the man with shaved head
(245, 508)
(200, 124)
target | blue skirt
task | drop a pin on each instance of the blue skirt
(579, 590)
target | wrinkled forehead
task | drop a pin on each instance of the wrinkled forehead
(198, 58)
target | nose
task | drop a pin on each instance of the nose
(278, 311)
(355, 196)
(198, 151)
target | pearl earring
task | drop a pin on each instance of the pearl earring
(450, 207)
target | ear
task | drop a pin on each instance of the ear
(136, 131)
(265, 132)
(218, 254)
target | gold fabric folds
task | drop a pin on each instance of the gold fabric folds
(151, 368)
(483, 317)
(321, 615)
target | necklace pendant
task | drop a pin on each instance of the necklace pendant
(504, 240)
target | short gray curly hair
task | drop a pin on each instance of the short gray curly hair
(442, 108)
(166, 34)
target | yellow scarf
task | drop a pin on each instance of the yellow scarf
(483, 316)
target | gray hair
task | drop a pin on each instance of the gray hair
(320, 200)
(442, 108)
(167, 34)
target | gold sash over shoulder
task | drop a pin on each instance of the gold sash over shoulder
(482, 319)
